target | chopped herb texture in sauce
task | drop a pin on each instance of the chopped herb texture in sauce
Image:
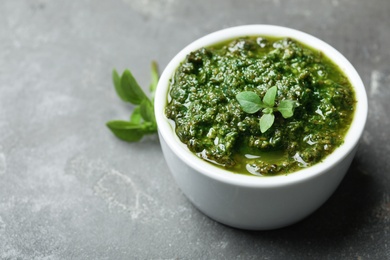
(204, 102)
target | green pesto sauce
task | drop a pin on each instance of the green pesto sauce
(209, 119)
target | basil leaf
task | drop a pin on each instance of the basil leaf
(154, 73)
(249, 101)
(136, 116)
(266, 121)
(267, 110)
(126, 131)
(131, 89)
(118, 87)
(147, 111)
(269, 97)
(286, 108)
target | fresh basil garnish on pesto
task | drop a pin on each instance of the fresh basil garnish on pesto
(260, 105)
(251, 103)
(142, 120)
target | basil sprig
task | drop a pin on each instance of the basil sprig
(142, 120)
(251, 103)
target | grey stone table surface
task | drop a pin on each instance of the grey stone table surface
(70, 190)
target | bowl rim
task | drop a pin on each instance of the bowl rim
(351, 140)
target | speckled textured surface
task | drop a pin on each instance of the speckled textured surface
(70, 190)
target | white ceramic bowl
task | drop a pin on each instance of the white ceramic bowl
(252, 202)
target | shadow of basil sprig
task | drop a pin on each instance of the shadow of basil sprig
(251, 103)
(142, 120)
